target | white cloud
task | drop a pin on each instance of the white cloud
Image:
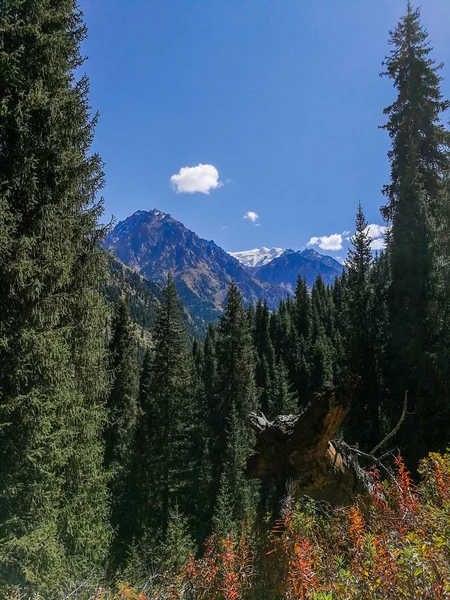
(376, 231)
(251, 216)
(378, 244)
(327, 242)
(201, 178)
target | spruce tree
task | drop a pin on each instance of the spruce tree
(284, 401)
(119, 433)
(235, 365)
(236, 394)
(322, 350)
(141, 485)
(168, 456)
(302, 308)
(201, 498)
(122, 399)
(418, 157)
(302, 321)
(53, 500)
(265, 357)
(363, 422)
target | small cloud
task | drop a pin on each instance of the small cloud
(346, 233)
(378, 244)
(327, 242)
(201, 178)
(376, 231)
(251, 216)
(224, 227)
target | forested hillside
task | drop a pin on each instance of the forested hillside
(125, 439)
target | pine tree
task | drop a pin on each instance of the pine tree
(201, 498)
(419, 155)
(119, 433)
(302, 309)
(179, 545)
(53, 500)
(140, 481)
(265, 357)
(122, 399)
(363, 422)
(322, 350)
(284, 401)
(236, 394)
(302, 321)
(168, 458)
(235, 365)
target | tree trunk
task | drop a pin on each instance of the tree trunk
(297, 449)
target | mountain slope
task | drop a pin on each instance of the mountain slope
(141, 296)
(284, 270)
(153, 243)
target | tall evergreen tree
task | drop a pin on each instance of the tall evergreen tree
(302, 308)
(284, 401)
(236, 393)
(122, 399)
(363, 423)
(119, 433)
(322, 350)
(141, 488)
(419, 155)
(265, 357)
(53, 500)
(168, 458)
(201, 501)
(302, 321)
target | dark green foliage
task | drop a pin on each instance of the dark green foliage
(284, 401)
(265, 358)
(119, 432)
(360, 355)
(302, 300)
(168, 419)
(236, 392)
(53, 501)
(201, 503)
(323, 353)
(122, 398)
(178, 546)
(419, 156)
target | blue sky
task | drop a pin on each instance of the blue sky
(280, 97)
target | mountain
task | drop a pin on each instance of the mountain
(153, 243)
(258, 256)
(284, 270)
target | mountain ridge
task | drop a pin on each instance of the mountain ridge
(153, 243)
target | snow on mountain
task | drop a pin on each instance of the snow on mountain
(258, 256)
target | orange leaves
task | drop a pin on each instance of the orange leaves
(302, 575)
(399, 547)
(356, 525)
(224, 572)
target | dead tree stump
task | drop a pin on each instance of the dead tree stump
(299, 449)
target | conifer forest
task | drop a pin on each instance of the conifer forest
(300, 452)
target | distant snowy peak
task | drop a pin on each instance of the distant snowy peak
(258, 256)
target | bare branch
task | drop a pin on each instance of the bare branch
(396, 428)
